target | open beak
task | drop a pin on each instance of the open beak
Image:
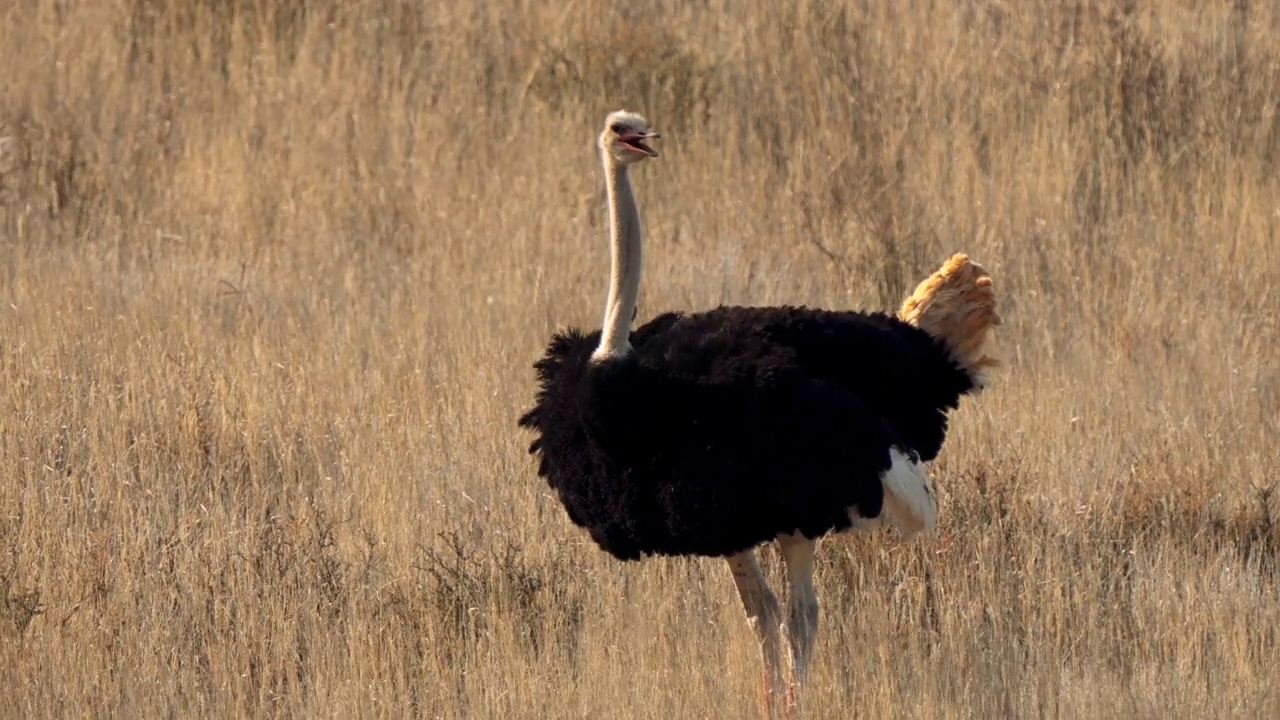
(636, 141)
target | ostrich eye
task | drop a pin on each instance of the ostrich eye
(618, 128)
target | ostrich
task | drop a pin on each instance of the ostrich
(708, 434)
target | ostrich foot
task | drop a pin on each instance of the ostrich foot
(787, 705)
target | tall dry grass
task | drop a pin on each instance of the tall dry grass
(273, 274)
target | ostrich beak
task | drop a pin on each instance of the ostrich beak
(636, 141)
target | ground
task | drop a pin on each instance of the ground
(271, 285)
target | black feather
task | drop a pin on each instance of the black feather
(726, 428)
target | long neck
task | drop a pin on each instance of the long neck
(624, 277)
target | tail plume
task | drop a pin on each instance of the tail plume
(957, 305)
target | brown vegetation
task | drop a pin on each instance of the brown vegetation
(272, 275)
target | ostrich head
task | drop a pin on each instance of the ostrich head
(623, 139)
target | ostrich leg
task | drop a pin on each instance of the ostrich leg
(798, 553)
(765, 616)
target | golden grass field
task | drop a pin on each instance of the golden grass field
(273, 274)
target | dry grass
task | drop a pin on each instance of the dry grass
(273, 275)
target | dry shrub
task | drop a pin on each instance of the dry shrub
(272, 276)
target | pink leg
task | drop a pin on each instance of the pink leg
(764, 614)
(799, 554)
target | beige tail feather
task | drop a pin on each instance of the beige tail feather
(957, 304)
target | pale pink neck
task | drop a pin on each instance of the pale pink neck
(624, 277)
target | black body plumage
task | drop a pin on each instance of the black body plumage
(724, 429)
